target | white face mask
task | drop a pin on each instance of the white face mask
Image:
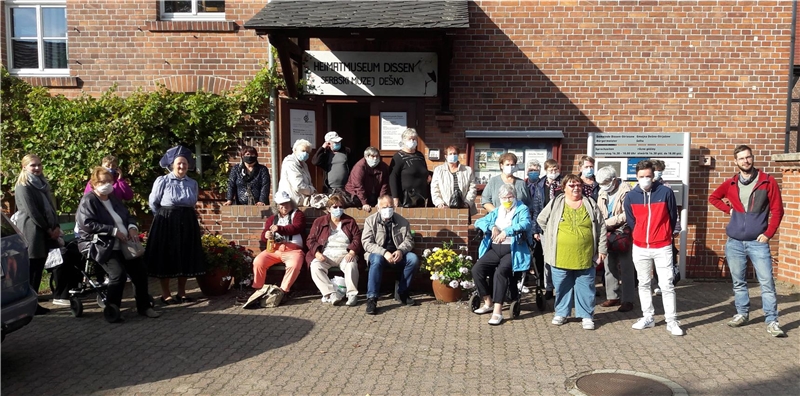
(337, 212)
(645, 183)
(657, 175)
(553, 176)
(387, 212)
(105, 189)
(452, 158)
(372, 162)
(608, 187)
(301, 155)
(410, 144)
(508, 169)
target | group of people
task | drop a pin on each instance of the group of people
(568, 224)
(406, 178)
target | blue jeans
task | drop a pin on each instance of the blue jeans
(577, 282)
(736, 253)
(405, 268)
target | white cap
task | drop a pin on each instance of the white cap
(332, 136)
(282, 197)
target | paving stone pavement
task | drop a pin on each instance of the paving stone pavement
(211, 347)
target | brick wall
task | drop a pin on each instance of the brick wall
(244, 224)
(788, 266)
(122, 42)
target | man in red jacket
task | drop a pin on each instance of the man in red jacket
(753, 200)
(650, 211)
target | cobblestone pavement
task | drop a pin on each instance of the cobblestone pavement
(212, 347)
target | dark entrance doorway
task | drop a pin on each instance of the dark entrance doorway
(351, 122)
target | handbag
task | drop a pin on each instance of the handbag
(349, 200)
(54, 259)
(413, 199)
(620, 240)
(457, 199)
(132, 249)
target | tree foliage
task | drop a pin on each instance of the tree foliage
(73, 135)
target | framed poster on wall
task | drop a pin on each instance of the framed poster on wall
(393, 123)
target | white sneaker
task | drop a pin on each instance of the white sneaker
(352, 300)
(559, 320)
(588, 324)
(61, 301)
(336, 298)
(674, 328)
(657, 291)
(325, 300)
(644, 323)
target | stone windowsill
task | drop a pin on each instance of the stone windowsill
(787, 157)
(191, 26)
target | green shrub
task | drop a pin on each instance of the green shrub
(73, 135)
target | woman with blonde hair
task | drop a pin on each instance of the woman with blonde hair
(37, 218)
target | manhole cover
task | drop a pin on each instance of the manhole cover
(616, 384)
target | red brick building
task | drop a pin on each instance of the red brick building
(510, 74)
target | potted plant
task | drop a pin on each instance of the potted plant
(451, 271)
(224, 261)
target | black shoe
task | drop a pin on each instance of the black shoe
(406, 300)
(548, 295)
(372, 306)
(40, 310)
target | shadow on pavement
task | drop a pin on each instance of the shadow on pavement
(180, 342)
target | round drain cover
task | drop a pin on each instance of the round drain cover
(615, 384)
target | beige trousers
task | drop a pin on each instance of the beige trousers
(319, 273)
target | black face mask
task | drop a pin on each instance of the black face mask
(249, 159)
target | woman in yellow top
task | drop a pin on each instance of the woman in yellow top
(575, 239)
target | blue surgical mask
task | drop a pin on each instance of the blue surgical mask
(589, 172)
(301, 156)
(533, 176)
(337, 212)
(452, 158)
(337, 146)
(657, 175)
(111, 170)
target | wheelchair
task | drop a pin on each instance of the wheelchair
(519, 279)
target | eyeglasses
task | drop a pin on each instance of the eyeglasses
(574, 185)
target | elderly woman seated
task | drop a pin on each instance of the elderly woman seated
(295, 177)
(335, 241)
(283, 234)
(503, 251)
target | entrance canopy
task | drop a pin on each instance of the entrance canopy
(291, 23)
(298, 18)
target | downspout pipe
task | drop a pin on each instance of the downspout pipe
(273, 129)
(791, 80)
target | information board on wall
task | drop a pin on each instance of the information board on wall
(486, 163)
(303, 125)
(343, 73)
(647, 145)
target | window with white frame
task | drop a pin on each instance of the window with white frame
(37, 37)
(192, 10)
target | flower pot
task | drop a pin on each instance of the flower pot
(215, 282)
(446, 293)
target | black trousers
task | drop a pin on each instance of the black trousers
(36, 269)
(119, 269)
(495, 265)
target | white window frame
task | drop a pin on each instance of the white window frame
(38, 5)
(189, 16)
